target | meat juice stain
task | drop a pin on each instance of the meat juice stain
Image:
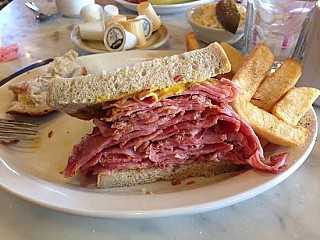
(50, 134)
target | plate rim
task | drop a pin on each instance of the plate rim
(165, 9)
(59, 190)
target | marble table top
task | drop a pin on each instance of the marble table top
(17, 25)
(290, 210)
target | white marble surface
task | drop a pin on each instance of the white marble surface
(290, 210)
(39, 40)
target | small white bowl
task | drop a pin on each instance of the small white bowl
(210, 34)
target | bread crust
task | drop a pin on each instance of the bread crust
(121, 178)
(30, 95)
(82, 97)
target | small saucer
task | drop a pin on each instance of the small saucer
(157, 39)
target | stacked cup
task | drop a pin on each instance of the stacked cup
(145, 8)
(116, 38)
(135, 27)
(92, 13)
(94, 27)
(110, 11)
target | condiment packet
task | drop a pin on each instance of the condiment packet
(9, 53)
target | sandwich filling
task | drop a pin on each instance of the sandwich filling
(152, 129)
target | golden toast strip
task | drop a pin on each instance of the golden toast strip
(268, 126)
(236, 58)
(293, 106)
(253, 71)
(191, 42)
(275, 85)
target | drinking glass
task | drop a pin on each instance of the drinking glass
(283, 25)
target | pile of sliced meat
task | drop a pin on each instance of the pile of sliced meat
(196, 125)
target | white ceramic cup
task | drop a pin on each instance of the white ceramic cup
(92, 30)
(116, 38)
(110, 11)
(92, 12)
(72, 8)
(146, 8)
(146, 24)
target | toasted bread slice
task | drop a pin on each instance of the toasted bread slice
(275, 85)
(236, 58)
(268, 126)
(192, 42)
(294, 105)
(30, 96)
(121, 178)
(253, 70)
(82, 97)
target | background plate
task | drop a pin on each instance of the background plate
(165, 9)
(157, 39)
(33, 171)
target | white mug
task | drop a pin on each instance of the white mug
(72, 8)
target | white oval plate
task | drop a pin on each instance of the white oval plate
(165, 9)
(33, 172)
(157, 39)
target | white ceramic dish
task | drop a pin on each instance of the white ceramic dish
(33, 173)
(157, 39)
(165, 9)
(208, 34)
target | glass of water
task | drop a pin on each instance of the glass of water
(283, 25)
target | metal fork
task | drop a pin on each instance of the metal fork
(11, 130)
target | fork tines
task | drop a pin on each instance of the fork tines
(14, 130)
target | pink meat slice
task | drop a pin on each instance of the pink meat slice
(196, 125)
